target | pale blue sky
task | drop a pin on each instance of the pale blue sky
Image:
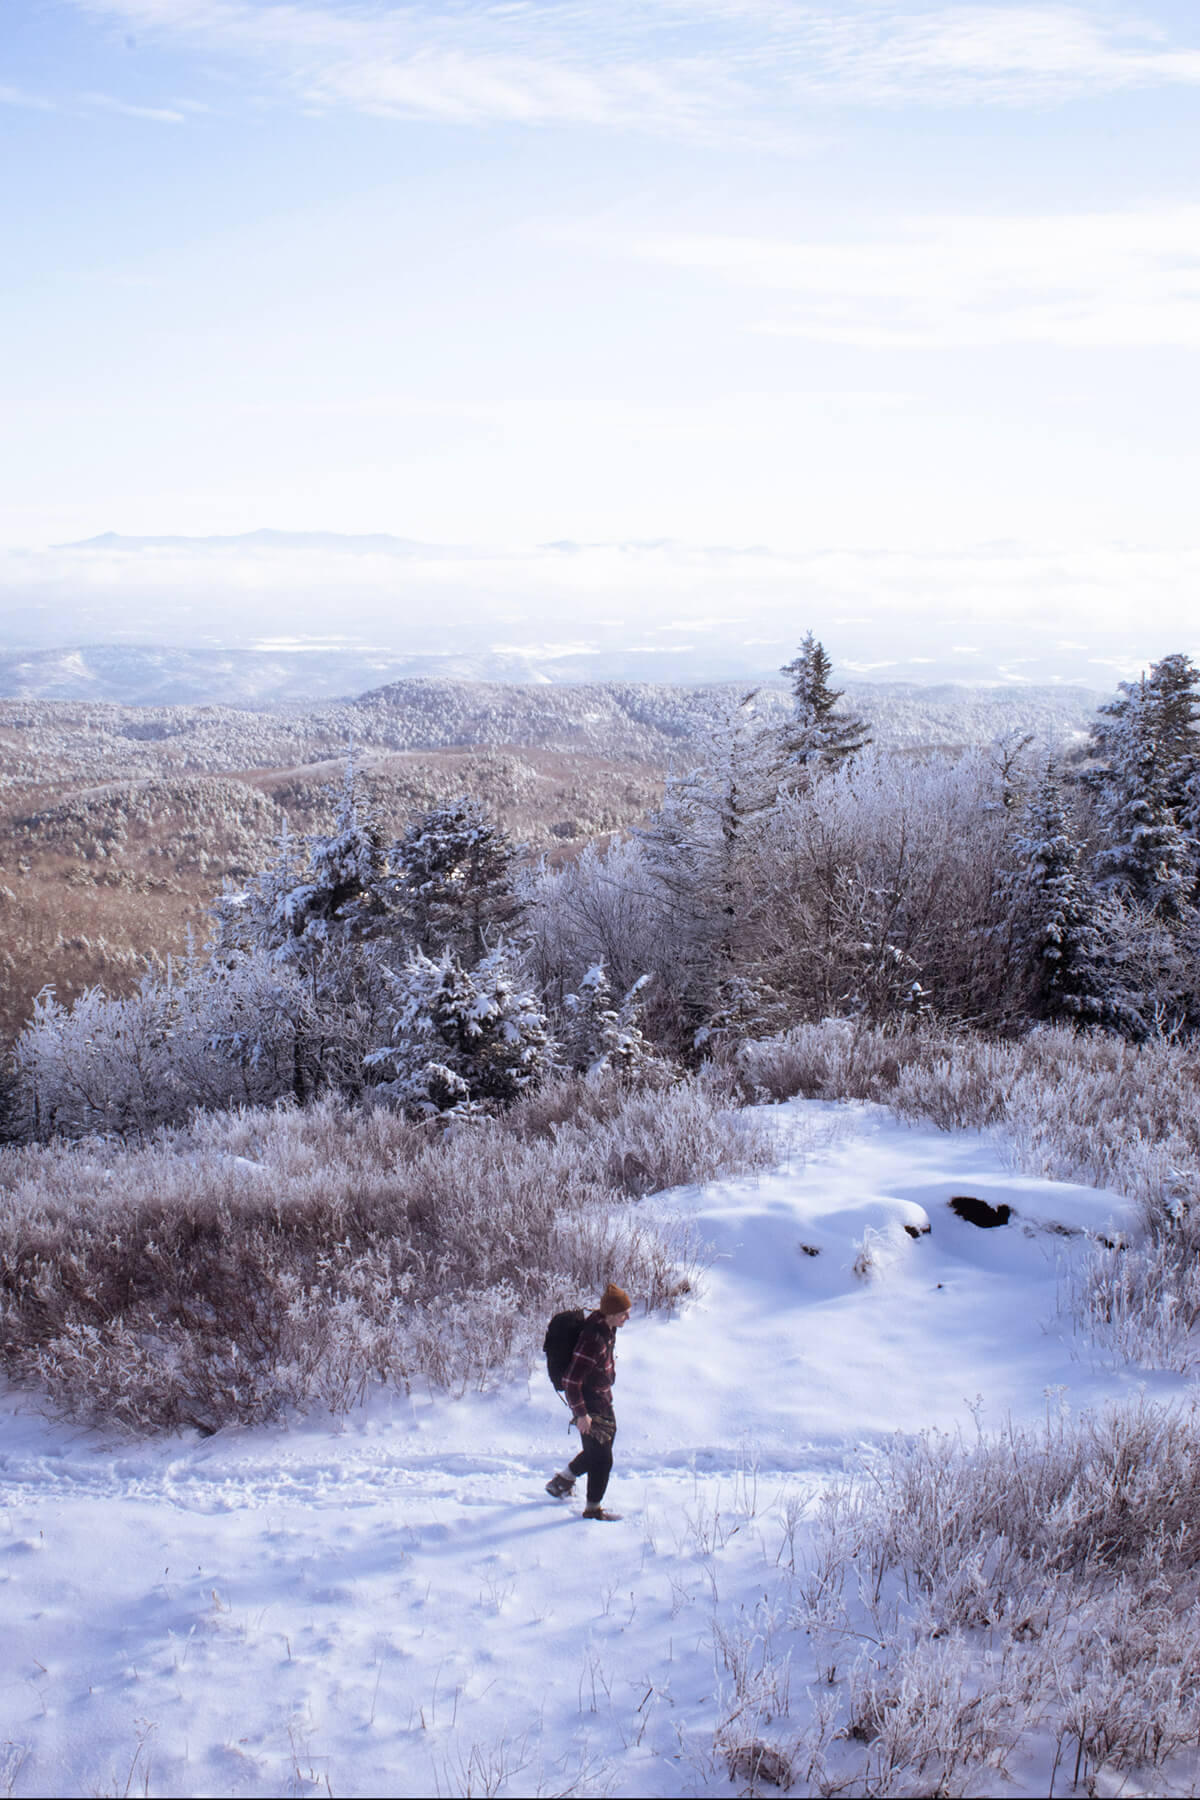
(906, 285)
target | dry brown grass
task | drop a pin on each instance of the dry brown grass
(275, 1259)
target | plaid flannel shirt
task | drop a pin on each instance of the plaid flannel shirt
(589, 1383)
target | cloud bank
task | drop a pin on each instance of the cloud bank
(1079, 613)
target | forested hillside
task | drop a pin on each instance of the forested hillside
(47, 741)
(793, 868)
(118, 824)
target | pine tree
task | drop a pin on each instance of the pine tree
(602, 1035)
(1057, 926)
(1174, 684)
(347, 869)
(1149, 857)
(270, 912)
(323, 910)
(325, 890)
(817, 732)
(455, 870)
(464, 1039)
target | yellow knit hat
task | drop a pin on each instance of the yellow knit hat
(615, 1300)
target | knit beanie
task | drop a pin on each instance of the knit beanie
(615, 1300)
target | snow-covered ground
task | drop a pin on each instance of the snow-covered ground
(392, 1605)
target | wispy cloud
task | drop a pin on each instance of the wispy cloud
(1005, 53)
(160, 115)
(691, 67)
(11, 96)
(1081, 279)
(163, 115)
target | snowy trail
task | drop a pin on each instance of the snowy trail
(395, 1606)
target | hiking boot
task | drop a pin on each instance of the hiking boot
(560, 1487)
(599, 1512)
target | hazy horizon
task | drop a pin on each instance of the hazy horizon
(643, 611)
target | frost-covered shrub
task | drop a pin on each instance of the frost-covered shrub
(836, 1059)
(593, 910)
(1013, 1611)
(220, 1035)
(264, 1260)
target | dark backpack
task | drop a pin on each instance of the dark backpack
(562, 1335)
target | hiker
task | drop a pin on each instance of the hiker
(588, 1389)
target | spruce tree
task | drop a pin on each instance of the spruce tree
(323, 909)
(1057, 926)
(322, 891)
(455, 870)
(1149, 856)
(603, 1036)
(817, 732)
(464, 1039)
(348, 867)
(1174, 684)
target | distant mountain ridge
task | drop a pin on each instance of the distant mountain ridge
(629, 722)
(162, 675)
(140, 675)
(378, 541)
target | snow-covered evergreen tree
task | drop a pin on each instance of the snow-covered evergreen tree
(464, 1039)
(1057, 923)
(324, 909)
(328, 890)
(818, 733)
(1149, 857)
(1010, 759)
(267, 913)
(602, 1034)
(1150, 970)
(1174, 683)
(455, 871)
(347, 869)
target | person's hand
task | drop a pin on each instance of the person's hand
(584, 1423)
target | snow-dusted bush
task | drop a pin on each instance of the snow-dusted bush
(882, 874)
(834, 1059)
(596, 909)
(874, 890)
(271, 1259)
(233, 1034)
(1012, 1613)
(1019, 1596)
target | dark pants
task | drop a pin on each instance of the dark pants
(595, 1460)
